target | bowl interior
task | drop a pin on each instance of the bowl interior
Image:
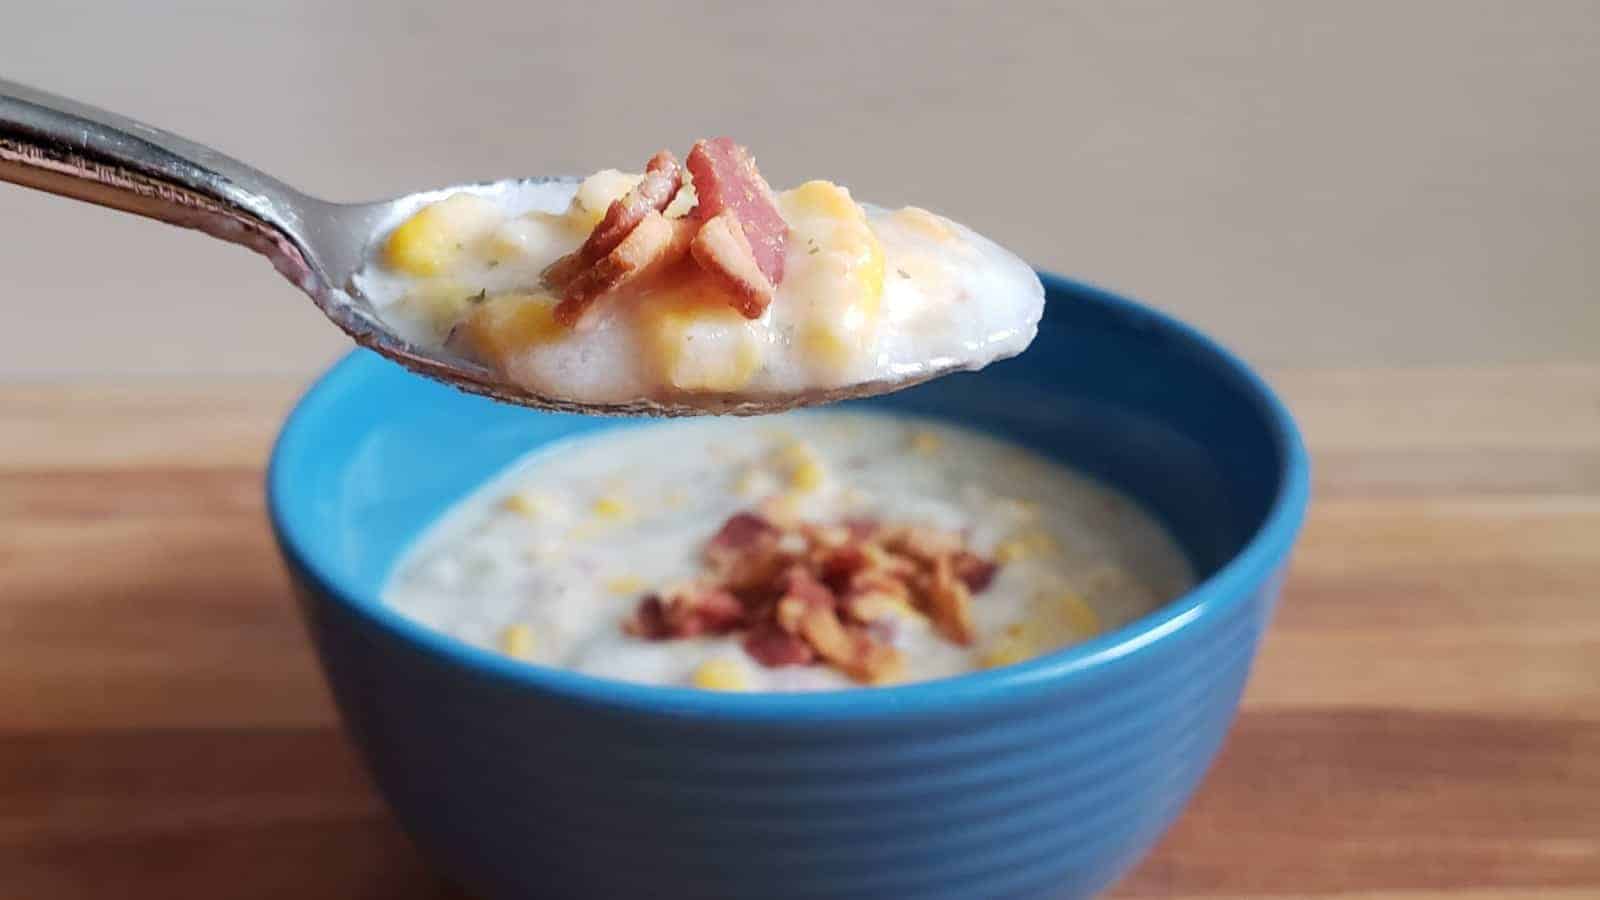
(373, 455)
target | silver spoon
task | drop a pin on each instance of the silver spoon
(64, 147)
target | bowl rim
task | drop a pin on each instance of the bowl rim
(1214, 597)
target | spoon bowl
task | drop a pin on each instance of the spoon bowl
(64, 147)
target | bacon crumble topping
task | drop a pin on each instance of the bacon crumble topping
(805, 593)
(734, 234)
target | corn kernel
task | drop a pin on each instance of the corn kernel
(929, 225)
(624, 585)
(721, 675)
(926, 443)
(805, 470)
(824, 199)
(596, 194)
(537, 234)
(526, 502)
(698, 341)
(500, 327)
(1057, 617)
(517, 641)
(806, 477)
(1079, 615)
(439, 301)
(842, 275)
(1005, 652)
(611, 507)
(1027, 545)
(433, 240)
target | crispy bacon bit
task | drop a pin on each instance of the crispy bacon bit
(656, 243)
(726, 178)
(662, 179)
(852, 649)
(741, 531)
(832, 593)
(774, 647)
(734, 233)
(949, 602)
(723, 252)
(802, 593)
(974, 571)
(921, 543)
(744, 554)
(686, 611)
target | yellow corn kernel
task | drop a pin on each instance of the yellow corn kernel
(841, 276)
(536, 234)
(596, 193)
(1058, 617)
(698, 341)
(517, 641)
(624, 585)
(1027, 545)
(610, 506)
(1079, 615)
(498, 328)
(440, 302)
(1007, 651)
(926, 443)
(527, 502)
(929, 225)
(805, 469)
(433, 240)
(806, 477)
(721, 675)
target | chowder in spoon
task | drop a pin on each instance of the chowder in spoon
(698, 284)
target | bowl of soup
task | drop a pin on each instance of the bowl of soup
(981, 637)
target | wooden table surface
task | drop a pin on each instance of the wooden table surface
(1424, 720)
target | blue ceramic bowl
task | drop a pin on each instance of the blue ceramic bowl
(1045, 779)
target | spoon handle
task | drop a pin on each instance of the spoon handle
(67, 148)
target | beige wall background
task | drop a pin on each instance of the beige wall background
(1316, 183)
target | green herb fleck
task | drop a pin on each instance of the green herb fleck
(493, 263)
(902, 273)
(813, 251)
(479, 297)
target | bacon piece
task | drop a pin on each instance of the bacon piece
(802, 593)
(949, 602)
(772, 646)
(921, 543)
(725, 177)
(656, 243)
(808, 609)
(745, 556)
(686, 611)
(973, 570)
(662, 179)
(740, 532)
(723, 252)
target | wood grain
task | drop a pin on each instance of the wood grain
(1424, 720)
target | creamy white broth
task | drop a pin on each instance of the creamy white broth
(547, 561)
(949, 298)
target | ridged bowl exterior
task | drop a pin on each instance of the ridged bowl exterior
(1048, 779)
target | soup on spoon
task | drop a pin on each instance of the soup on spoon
(695, 284)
